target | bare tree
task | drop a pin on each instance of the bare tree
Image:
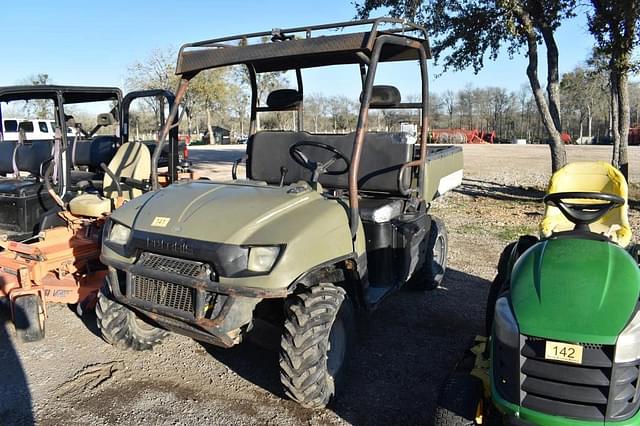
(38, 108)
(614, 24)
(465, 33)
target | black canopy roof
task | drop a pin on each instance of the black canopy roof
(284, 49)
(71, 94)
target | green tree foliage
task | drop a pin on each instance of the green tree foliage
(466, 32)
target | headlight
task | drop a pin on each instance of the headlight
(262, 259)
(628, 345)
(119, 234)
(505, 326)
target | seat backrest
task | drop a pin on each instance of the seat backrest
(6, 156)
(382, 156)
(587, 176)
(91, 153)
(132, 160)
(31, 155)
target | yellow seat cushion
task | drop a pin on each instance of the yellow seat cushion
(132, 160)
(587, 176)
(90, 205)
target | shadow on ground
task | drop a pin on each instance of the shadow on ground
(498, 191)
(15, 397)
(409, 346)
(88, 318)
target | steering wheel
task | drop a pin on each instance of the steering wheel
(582, 214)
(316, 167)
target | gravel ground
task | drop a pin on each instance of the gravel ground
(410, 344)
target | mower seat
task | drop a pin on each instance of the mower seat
(596, 176)
(132, 160)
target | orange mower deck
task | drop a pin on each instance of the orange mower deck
(57, 268)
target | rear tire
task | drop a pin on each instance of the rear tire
(123, 328)
(29, 318)
(431, 273)
(460, 401)
(315, 344)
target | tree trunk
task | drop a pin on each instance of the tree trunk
(581, 127)
(624, 122)
(553, 79)
(615, 118)
(590, 122)
(210, 128)
(558, 152)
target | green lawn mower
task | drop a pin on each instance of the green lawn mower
(563, 317)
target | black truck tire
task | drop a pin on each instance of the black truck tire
(315, 344)
(28, 314)
(431, 273)
(121, 327)
(459, 401)
(496, 286)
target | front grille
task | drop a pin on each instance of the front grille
(597, 389)
(187, 268)
(163, 293)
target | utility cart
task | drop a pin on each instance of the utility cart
(325, 225)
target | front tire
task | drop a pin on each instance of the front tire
(29, 318)
(315, 344)
(123, 328)
(460, 402)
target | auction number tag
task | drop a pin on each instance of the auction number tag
(160, 221)
(563, 352)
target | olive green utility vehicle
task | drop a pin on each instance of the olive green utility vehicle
(323, 226)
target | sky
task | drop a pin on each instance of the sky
(93, 43)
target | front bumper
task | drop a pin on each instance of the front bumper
(190, 303)
(530, 389)
(517, 415)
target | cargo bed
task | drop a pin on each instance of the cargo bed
(445, 165)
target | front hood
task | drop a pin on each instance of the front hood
(575, 290)
(207, 211)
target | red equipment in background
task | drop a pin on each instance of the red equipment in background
(460, 136)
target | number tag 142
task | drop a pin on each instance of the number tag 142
(563, 352)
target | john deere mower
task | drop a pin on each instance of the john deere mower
(563, 316)
(56, 197)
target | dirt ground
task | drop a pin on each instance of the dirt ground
(412, 341)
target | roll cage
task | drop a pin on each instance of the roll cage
(60, 95)
(308, 47)
(68, 95)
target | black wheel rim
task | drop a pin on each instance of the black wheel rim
(337, 347)
(41, 314)
(438, 255)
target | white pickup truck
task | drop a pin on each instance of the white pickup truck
(34, 128)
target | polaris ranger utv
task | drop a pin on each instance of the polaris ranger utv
(60, 190)
(324, 224)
